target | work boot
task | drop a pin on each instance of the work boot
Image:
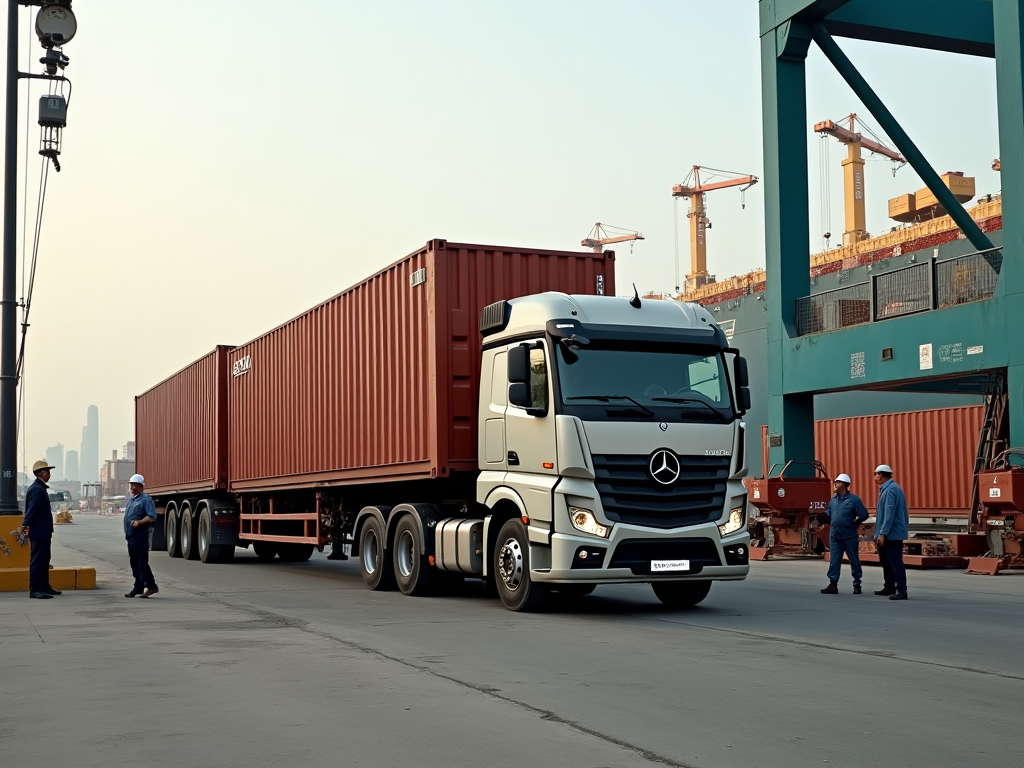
(898, 596)
(150, 591)
(52, 591)
(831, 589)
(856, 589)
(885, 591)
(133, 593)
(41, 595)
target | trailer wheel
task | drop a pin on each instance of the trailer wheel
(172, 529)
(265, 550)
(681, 594)
(518, 592)
(374, 564)
(208, 552)
(295, 553)
(189, 542)
(414, 575)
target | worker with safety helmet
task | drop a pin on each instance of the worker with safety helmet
(139, 514)
(892, 528)
(845, 512)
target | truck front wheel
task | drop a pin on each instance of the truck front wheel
(374, 564)
(681, 594)
(518, 592)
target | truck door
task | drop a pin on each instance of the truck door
(530, 427)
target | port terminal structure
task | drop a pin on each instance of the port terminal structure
(932, 326)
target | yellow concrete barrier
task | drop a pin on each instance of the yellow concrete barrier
(12, 554)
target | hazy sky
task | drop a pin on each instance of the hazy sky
(229, 163)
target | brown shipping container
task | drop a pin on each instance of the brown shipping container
(380, 382)
(931, 454)
(181, 428)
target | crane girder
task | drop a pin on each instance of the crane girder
(846, 136)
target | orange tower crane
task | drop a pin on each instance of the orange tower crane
(853, 171)
(695, 189)
(600, 236)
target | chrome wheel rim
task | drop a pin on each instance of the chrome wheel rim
(510, 564)
(172, 531)
(371, 552)
(184, 533)
(406, 551)
(204, 536)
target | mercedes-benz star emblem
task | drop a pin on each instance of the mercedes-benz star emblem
(665, 467)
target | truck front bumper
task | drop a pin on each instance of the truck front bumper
(629, 554)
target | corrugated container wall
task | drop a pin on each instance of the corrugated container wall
(931, 454)
(380, 381)
(181, 428)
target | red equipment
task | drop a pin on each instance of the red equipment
(790, 507)
(1001, 516)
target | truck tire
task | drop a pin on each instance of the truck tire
(413, 574)
(374, 564)
(265, 550)
(681, 594)
(295, 553)
(518, 592)
(209, 552)
(189, 540)
(173, 529)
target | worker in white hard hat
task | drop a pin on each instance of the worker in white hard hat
(892, 527)
(846, 513)
(37, 525)
(139, 514)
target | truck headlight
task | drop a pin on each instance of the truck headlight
(734, 524)
(584, 520)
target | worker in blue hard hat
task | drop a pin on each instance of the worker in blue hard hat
(846, 513)
(892, 527)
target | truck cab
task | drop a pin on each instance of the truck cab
(611, 448)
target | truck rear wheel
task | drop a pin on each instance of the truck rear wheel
(295, 553)
(209, 552)
(518, 592)
(413, 574)
(374, 564)
(189, 542)
(681, 594)
(265, 550)
(172, 529)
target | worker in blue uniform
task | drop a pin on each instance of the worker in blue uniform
(38, 526)
(892, 527)
(846, 513)
(139, 514)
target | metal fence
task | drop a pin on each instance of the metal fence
(903, 291)
(966, 279)
(916, 288)
(832, 310)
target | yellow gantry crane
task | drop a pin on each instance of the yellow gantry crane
(846, 132)
(600, 236)
(695, 189)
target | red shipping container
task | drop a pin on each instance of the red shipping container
(931, 454)
(181, 429)
(380, 382)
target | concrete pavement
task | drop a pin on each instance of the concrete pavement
(264, 664)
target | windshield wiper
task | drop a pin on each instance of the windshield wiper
(688, 400)
(609, 398)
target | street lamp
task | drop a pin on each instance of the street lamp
(55, 26)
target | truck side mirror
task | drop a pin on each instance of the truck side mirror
(519, 367)
(519, 394)
(744, 399)
(742, 375)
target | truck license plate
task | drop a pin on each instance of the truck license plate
(662, 566)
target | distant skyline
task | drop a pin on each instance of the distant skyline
(214, 208)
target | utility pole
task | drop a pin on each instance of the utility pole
(55, 25)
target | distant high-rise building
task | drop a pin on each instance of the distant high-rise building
(71, 465)
(129, 451)
(55, 457)
(89, 459)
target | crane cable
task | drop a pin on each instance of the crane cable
(675, 200)
(44, 174)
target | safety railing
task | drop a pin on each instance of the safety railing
(929, 285)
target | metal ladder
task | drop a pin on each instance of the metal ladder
(991, 438)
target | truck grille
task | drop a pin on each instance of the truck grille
(630, 495)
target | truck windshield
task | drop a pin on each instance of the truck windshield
(670, 381)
